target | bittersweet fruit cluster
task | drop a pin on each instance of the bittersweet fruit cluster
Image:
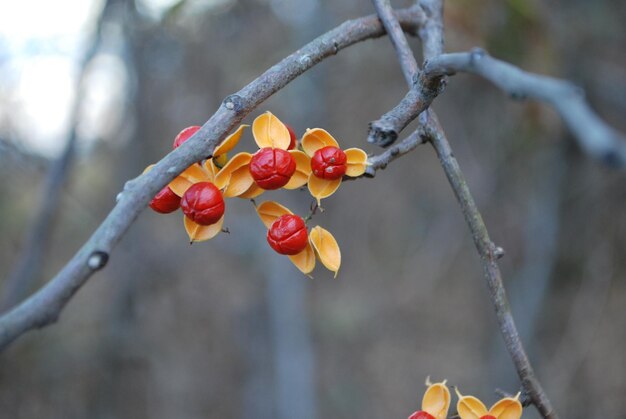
(281, 161)
(436, 403)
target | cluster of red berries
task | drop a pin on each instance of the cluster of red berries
(280, 162)
(202, 202)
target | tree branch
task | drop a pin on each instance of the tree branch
(45, 306)
(488, 252)
(392, 26)
(431, 32)
(594, 136)
(380, 161)
(422, 89)
(384, 131)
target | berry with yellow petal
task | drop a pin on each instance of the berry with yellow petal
(328, 166)
(329, 163)
(435, 403)
(203, 203)
(292, 136)
(165, 201)
(184, 135)
(469, 407)
(288, 235)
(271, 168)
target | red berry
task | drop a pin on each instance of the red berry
(288, 235)
(165, 201)
(271, 168)
(488, 417)
(184, 135)
(293, 137)
(203, 203)
(329, 163)
(421, 415)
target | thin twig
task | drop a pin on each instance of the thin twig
(431, 32)
(380, 161)
(594, 136)
(422, 90)
(392, 26)
(45, 306)
(488, 254)
(410, 70)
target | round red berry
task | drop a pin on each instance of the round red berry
(421, 415)
(271, 168)
(288, 235)
(165, 201)
(292, 136)
(184, 135)
(329, 163)
(488, 417)
(203, 203)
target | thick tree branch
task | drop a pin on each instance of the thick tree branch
(45, 306)
(594, 136)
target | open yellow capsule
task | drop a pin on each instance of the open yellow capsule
(326, 248)
(470, 407)
(269, 131)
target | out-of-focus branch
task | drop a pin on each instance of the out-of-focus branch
(12, 154)
(21, 279)
(45, 306)
(594, 136)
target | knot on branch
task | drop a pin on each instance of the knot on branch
(330, 44)
(433, 86)
(517, 95)
(499, 252)
(97, 260)
(476, 54)
(233, 103)
(306, 60)
(370, 172)
(613, 159)
(381, 136)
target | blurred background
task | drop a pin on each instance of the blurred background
(94, 91)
